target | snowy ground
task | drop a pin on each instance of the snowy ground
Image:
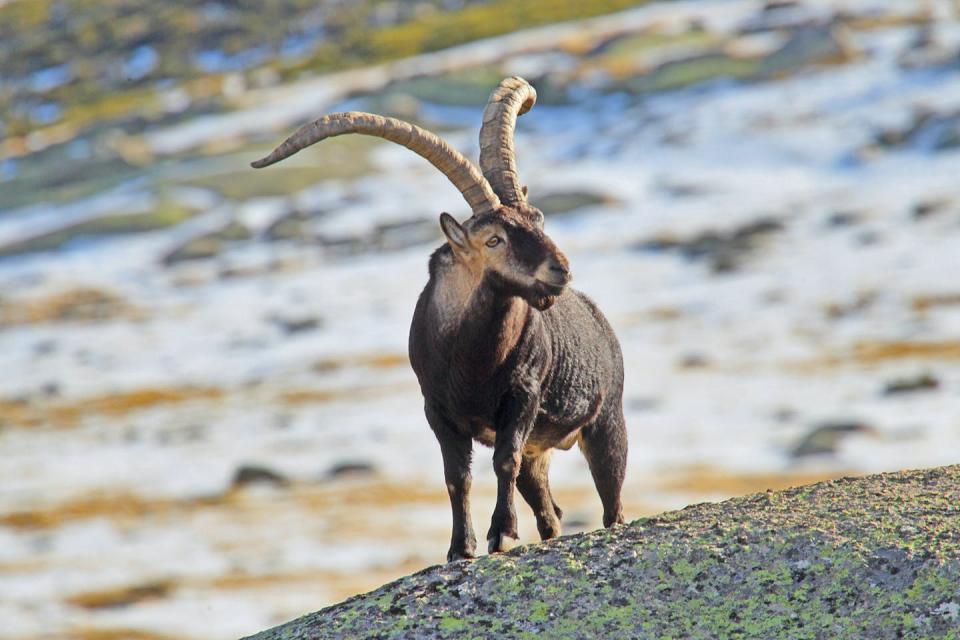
(124, 517)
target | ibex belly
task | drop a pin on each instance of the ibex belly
(482, 431)
(549, 432)
(553, 433)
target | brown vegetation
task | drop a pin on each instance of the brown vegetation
(85, 304)
(875, 352)
(878, 352)
(371, 360)
(339, 584)
(121, 596)
(27, 413)
(127, 507)
(308, 396)
(118, 506)
(87, 633)
(704, 479)
(921, 304)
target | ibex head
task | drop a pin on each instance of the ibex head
(512, 254)
(503, 241)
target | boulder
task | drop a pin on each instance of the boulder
(873, 557)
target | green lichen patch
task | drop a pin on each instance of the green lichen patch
(344, 158)
(875, 557)
(165, 215)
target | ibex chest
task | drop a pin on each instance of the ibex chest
(473, 408)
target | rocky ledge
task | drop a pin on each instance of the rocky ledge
(872, 557)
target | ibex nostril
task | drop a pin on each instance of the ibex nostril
(560, 270)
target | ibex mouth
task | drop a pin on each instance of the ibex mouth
(553, 273)
(549, 289)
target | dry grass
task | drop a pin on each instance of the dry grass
(121, 596)
(239, 580)
(370, 360)
(883, 20)
(875, 352)
(69, 413)
(84, 304)
(88, 633)
(357, 501)
(354, 503)
(312, 396)
(921, 304)
(706, 480)
(55, 413)
(25, 565)
(123, 507)
(370, 494)
(665, 314)
(340, 584)
(126, 507)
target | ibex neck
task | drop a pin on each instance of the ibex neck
(491, 327)
(480, 327)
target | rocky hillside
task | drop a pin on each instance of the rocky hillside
(213, 420)
(874, 557)
(83, 67)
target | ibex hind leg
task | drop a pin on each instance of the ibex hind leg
(604, 444)
(534, 486)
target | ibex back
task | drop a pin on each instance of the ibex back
(505, 352)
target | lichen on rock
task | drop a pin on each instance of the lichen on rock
(873, 557)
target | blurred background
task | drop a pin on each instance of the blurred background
(208, 423)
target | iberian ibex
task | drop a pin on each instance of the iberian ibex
(505, 352)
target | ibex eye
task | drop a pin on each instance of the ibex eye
(494, 241)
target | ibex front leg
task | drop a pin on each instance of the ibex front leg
(514, 424)
(456, 450)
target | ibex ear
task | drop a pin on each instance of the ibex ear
(455, 233)
(524, 191)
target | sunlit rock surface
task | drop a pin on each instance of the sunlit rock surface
(875, 557)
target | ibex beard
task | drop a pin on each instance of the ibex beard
(506, 353)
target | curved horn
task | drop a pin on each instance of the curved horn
(460, 171)
(513, 97)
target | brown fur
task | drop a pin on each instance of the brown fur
(505, 353)
(508, 356)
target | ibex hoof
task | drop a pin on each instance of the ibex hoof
(501, 543)
(454, 556)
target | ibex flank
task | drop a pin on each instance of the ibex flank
(506, 353)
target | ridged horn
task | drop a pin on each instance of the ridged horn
(513, 97)
(461, 172)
